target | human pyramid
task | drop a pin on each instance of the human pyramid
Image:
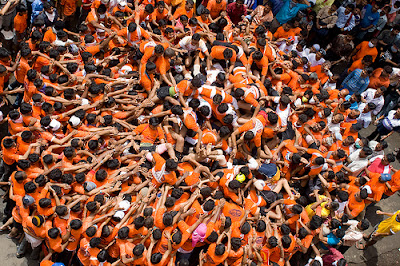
(210, 133)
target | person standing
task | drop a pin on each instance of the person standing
(386, 127)
(387, 227)
(236, 10)
(368, 21)
(357, 80)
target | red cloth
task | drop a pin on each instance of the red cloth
(332, 256)
(236, 12)
(377, 166)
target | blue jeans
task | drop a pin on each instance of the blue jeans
(380, 131)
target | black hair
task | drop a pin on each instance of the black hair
(220, 249)
(123, 232)
(286, 241)
(209, 205)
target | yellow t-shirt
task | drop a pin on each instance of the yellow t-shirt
(389, 225)
(324, 211)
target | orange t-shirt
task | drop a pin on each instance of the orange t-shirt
(22, 70)
(40, 62)
(157, 16)
(212, 258)
(182, 11)
(356, 64)
(281, 33)
(216, 8)
(376, 81)
(217, 52)
(20, 23)
(363, 50)
(149, 135)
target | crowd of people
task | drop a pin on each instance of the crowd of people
(197, 133)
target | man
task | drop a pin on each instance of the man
(369, 20)
(358, 160)
(356, 204)
(380, 77)
(192, 44)
(216, 7)
(357, 80)
(20, 73)
(365, 48)
(375, 97)
(387, 227)
(382, 165)
(346, 19)
(388, 37)
(236, 11)
(386, 125)
(353, 234)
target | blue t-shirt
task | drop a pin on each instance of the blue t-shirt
(332, 240)
(369, 17)
(289, 10)
(354, 106)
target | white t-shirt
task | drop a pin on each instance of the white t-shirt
(186, 43)
(364, 118)
(61, 43)
(369, 96)
(313, 60)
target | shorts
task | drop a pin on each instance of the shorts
(18, 226)
(160, 149)
(255, 67)
(147, 147)
(239, 64)
(163, 92)
(221, 62)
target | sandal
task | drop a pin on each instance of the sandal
(7, 228)
(12, 237)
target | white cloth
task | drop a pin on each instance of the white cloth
(390, 121)
(369, 96)
(357, 163)
(364, 118)
(61, 43)
(353, 234)
(343, 19)
(186, 43)
(50, 16)
(317, 258)
(35, 242)
(313, 60)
